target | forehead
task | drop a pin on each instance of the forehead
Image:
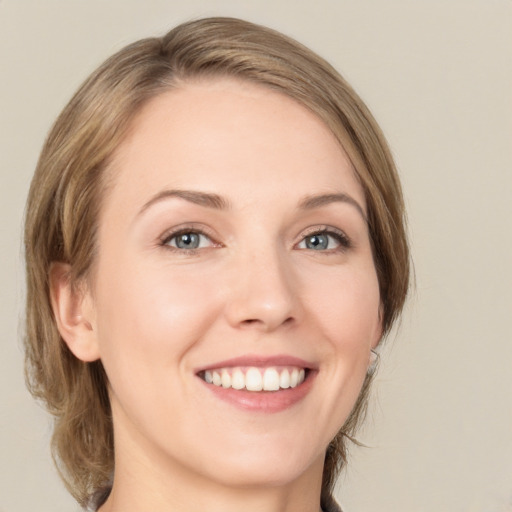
(230, 137)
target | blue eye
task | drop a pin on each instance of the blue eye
(317, 242)
(188, 240)
(324, 241)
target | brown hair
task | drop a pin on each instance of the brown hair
(67, 188)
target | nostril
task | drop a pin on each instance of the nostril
(251, 321)
(257, 321)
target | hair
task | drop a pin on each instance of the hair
(69, 183)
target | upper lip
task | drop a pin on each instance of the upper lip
(260, 361)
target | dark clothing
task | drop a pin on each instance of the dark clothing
(328, 503)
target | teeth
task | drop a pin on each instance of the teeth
(217, 380)
(253, 380)
(294, 377)
(271, 380)
(284, 379)
(225, 379)
(256, 379)
(238, 380)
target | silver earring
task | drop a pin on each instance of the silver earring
(374, 361)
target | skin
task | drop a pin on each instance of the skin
(155, 313)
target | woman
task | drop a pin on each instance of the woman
(215, 247)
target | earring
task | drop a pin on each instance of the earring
(374, 361)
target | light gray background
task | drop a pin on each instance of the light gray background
(437, 76)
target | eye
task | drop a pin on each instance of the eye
(187, 240)
(324, 241)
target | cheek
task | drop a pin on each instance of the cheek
(346, 307)
(150, 320)
(342, 310)
(151, 316)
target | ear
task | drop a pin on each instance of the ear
(74, 313)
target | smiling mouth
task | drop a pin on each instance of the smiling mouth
(255, 379)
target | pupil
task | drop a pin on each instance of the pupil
(188, 241)
(317, 242)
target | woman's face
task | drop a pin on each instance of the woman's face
(233, 247)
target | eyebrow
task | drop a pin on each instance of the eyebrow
(317, 201)
(201, 198)
(217, 202)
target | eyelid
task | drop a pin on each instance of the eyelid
(343, 239)
(163, 240)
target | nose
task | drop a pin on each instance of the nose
(263, 292)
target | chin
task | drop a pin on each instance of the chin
(268, 474)
(263, 466)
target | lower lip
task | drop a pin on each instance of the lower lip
(263, 401)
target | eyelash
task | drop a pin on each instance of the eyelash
(185, 230)
(344, 241)
(341, 238)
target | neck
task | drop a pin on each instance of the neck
(145, 486)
